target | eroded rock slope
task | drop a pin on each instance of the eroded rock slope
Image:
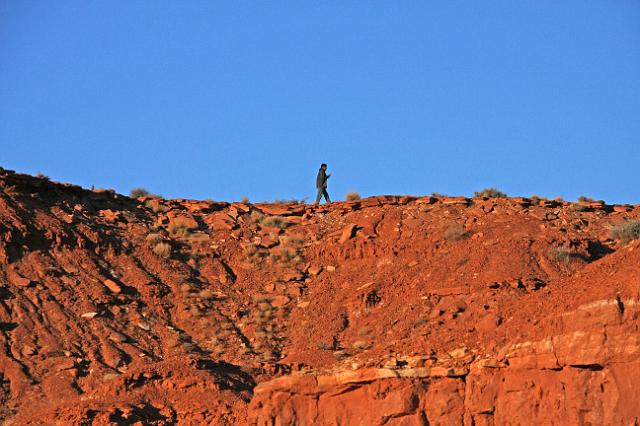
(383, 311)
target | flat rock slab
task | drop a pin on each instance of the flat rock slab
(451, 291)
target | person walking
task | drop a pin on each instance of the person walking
(321, 184)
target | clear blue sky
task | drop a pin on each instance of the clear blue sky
(225, 99)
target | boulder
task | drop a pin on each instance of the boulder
(112, 286)
(347, 233)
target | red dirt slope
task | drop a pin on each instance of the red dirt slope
(388, 310)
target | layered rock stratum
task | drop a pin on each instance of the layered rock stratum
(383, 311)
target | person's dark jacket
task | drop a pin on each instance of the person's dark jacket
(321, 180)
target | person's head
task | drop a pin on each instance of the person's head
(323, 166)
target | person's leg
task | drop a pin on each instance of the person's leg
(319, 195)
(326, 195)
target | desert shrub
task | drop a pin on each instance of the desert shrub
(324, 346)
(352, 196)
(156, 207)
(455, 232)
(563, 254)
(438, 195)
(559, 199)
(153, 238)
(141, 192)
(491, 193)
(138, 192)
(285, 255)
(274, 222)
(291, 201)
(41, 175)
(584, 199)
(291, 240)
(163, 250)
(626, 232)
(244, 200)
(257, 216)
(250, 250)
(179, 227)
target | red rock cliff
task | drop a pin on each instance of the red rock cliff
(388, 310)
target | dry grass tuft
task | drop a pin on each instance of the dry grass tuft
(291, 201)
(286, 255)
(291, 240)
(153, 238)
(274, 222)
(250, 250)
(163, 250)
(156, 207)
(491, 193)
(563, 254)
(626, 232)
(138, 192)
(352, 196)
(324, 346)
(257, 216)
(179, 227)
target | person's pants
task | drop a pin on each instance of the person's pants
(321, 192)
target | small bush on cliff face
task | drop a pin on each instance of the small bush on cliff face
(138, 192)
(563, 254)
(491, 193)
(584, 199)
(163, 250)
(291, 201)
(179, 227)
(455, 232)
(353, 196)
(41, 175)
(291, 240)
(141, 192)
(324, 346)
(626, 232)
(253, 253)
(274, 222)
(286, 256)
(250, 250)
(153, 238)
(156, 207)
(257, 216)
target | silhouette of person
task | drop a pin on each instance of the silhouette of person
(321, 184)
